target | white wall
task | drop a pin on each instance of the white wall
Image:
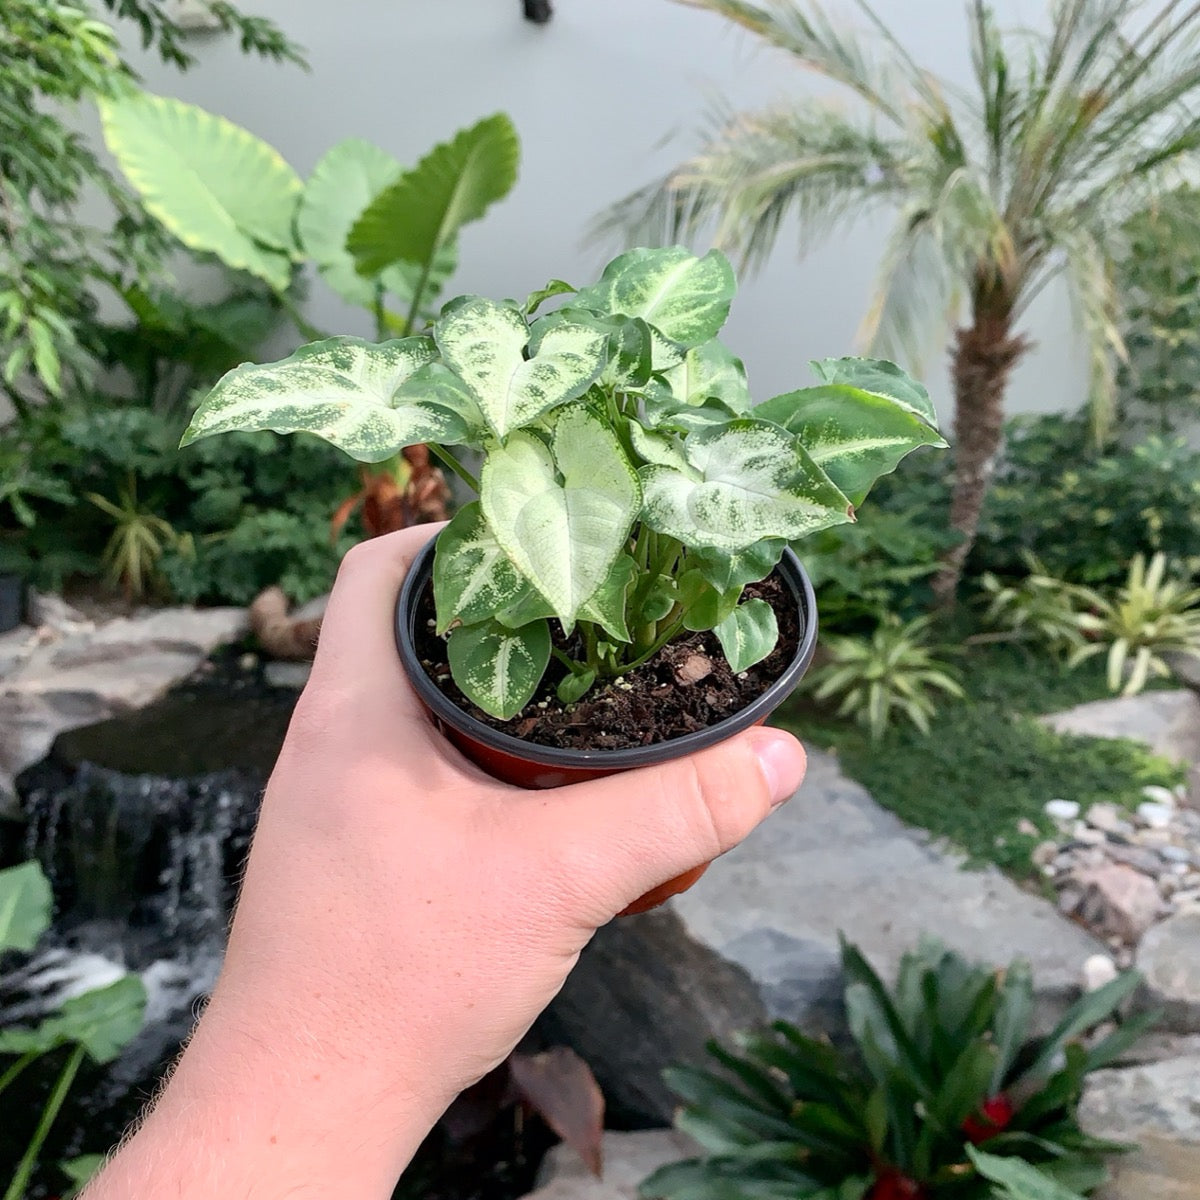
(593, 95)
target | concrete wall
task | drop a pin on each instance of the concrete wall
(594, 94)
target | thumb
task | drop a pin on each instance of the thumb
(612, 840)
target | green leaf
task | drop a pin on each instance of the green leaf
(455, 183)
(104, 1021)
(659, 449)
(881, 378)
(852, 435)
(535, 300)
(213, 185)
(562, 513)
(1020, 1180)
(473, 579)
(26, 903)
(346, 391)
(748, 634)
(704, 607)
(730, 569)
(685, 298)
(574, 685)
(606, 605)
(1011, 1023)
(80, 1171)
(498, 668)
(748, 481)
(710, 371)
(627, 344)
(484, 343)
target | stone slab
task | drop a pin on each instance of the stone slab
(1169, 957)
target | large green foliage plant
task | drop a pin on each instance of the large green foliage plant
(994, 190)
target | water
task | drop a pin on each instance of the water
(142, 825)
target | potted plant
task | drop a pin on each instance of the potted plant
(623, 590)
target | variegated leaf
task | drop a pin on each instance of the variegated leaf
(880, 378)
(684, 297)
(473, 578)
(728, 569)
(498, 668)
(710, 372)
(748, 481)
(484, 343)
(748, 634)
(655, 447)
(628, 344)
(606, 606)
(562, 512)
(853, 435)
(436, 390)
(343, 390)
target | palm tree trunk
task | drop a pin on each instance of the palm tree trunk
(984, 356)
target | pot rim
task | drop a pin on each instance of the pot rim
(445, 710)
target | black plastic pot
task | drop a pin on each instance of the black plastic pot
(12, 601)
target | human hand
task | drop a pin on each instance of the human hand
(404, 917)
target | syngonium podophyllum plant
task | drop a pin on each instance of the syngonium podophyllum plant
(629, 490)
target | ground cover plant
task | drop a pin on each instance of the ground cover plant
(943, 1091)
(628, 490)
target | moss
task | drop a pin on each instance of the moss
(987, 763)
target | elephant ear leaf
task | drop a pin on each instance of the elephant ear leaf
(213, 185)
(419, 214)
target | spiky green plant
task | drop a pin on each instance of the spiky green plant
(1039, 608)
(941, 1065)
(994, 190)
(1151, 616)
(892, 674)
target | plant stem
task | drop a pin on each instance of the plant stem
(447, 459)
(672, 629)
(16, 1068)
(419, 292)
(20, 1181)
(381, 329)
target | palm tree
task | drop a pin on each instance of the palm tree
(992, 191)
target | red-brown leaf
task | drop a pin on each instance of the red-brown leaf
(560, 1087)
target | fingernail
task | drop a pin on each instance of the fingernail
(781, 759)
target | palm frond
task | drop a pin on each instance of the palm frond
(753, 170)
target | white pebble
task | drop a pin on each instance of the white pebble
(1154, 815)
(1061, 810)
(1157, 794)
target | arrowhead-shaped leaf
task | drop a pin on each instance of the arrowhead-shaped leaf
(473, 579)
(213, 185)
(684, 297)
(881, 378)
(730, 569)
(1019, 1179)
(484, 343)
(606, 606)
(25, 905)
(455, 183)
(710, 372)
(562, 513)
(748, 481)
(748, 634)
(104, 1021)
(344, 390)
(628, 339)
(854, 436)
(498, 668)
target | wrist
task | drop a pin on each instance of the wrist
(271, 1114)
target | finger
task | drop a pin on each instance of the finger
(615, 839)
(357, 641)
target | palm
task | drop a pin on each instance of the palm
(1031, 173)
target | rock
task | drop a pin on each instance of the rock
(1118, 901)
(1157, 1106)
(1097, 971)
(1062, 810)
(1108, 818)
(1026, 828)
(292, 675)
(85, 677)
(758, 936)
(1168, 722)
(1156, 816)
(628, 1159)
(1044, 853)
(1169, 957)
(1157, 794)
(1149, 862)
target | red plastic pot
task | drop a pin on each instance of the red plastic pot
(529, 765)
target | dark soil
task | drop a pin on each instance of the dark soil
(686, 687)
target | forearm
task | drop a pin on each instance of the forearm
(248, 1119)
